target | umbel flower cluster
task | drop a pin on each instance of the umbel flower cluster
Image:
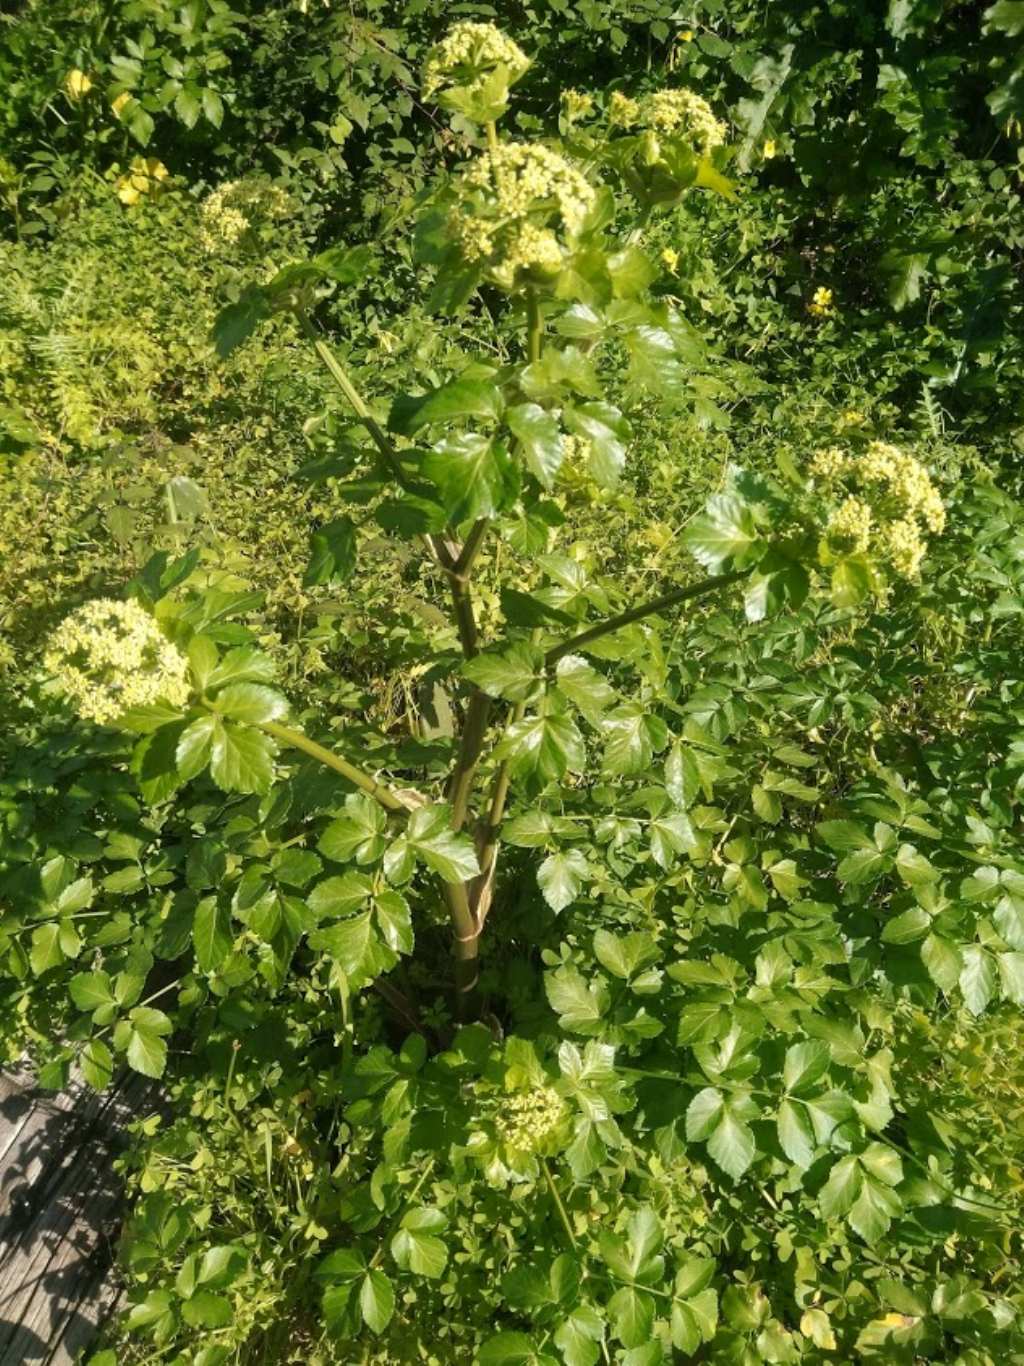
(108, 657)
(679, 113)
(229, 211)
(889, 504)
(467, 55)
(528, 1119)
(512, 200)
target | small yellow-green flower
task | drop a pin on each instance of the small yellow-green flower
(77, 84)
(527, 1120)
(683, 113)
(623, 112)
(578, 104)
(821, 302)
(228, 212)
(769, 149)
(686, 36)
(108, 657)
(670, 260)
(887, 504)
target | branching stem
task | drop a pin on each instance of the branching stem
(646, 609)
(295, 738)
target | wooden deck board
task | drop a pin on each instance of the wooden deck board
(59, 1208)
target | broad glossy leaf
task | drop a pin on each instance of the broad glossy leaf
(542, 747)
(561, 876)
(242, 759)
(540, 440)
(475, 476)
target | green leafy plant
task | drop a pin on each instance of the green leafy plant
(707, 860)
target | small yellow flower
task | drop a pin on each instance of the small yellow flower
(768, 150)
(118, 105)
(77, 84)
(670, 260)
(686, 36)
(578, 104)
(821, 302)
(851, 418)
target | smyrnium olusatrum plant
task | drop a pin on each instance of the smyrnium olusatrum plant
(553, 229)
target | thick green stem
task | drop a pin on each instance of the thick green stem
(471, 745)
(647, 609)
(356, 776)
(466, 933)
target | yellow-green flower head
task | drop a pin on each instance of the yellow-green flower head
(528, 1119)
(108, 657)
(228, 212)
(467, 55)
(829, 463)
(849, 527)
(623, 112)
(889, 504)
(685, 114)
(577, 104)
(513, 200)
(905, 546)
(906, 482)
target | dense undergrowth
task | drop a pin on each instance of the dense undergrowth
(742, 1078)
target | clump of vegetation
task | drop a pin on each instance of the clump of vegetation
(557, 848)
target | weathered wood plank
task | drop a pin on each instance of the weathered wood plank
(59, 1206)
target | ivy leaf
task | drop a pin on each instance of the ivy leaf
(560, 878)
(416, 1247)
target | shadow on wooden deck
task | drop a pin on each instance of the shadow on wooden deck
(59, 1211)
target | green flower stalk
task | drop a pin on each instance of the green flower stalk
(108, 657)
